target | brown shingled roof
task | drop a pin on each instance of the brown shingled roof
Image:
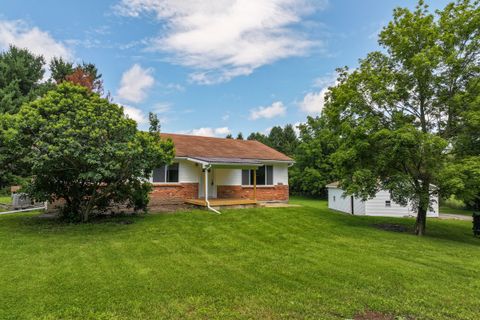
(208, 147)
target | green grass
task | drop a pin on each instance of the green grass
(5, 199)
(454, 206)
(297, 262)
(446, 209)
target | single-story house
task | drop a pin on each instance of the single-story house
(380, 205)
(211, 171)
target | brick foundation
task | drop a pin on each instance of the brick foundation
(264, 193)
(175, 193)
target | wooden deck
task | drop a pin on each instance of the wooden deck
(220, 202)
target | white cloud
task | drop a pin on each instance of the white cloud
(224, 39)
(225, 117)
(313, 102)
(174, 87)
(20, 34)
(135, 114)
(276, 109)
(296, 128)
(162, 107)
(134, 84)
(325, 81)
(209, 132)
(222, 131)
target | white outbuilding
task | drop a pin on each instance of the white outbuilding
(380, 205)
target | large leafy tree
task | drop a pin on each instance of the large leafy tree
(313, 167)
(82, 149)
(462, 174)
(396, 114)
(10, 154)
(20, 75)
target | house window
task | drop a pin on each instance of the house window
(166, 174)
(264, 176)
(388, 203)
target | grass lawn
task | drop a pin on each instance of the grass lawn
(446, 209)
(5, 199)
(297, 262)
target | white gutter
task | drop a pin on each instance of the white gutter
(207, 167)
(203, 163)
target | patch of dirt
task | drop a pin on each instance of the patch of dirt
(391, 227)
(169, 208)
(48, 215)
(125, 222)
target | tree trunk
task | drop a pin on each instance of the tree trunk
(85, 215)
(423, 206)
(421, 221)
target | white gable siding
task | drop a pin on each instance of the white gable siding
(377, 207)
(188, 171)
(280, 174)
(359, 206)
(336, 201)
(228, 177)
(435, 210)
(233, 177)
(374, 207)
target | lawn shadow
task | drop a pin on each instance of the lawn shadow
(39, 223)
(449, 230)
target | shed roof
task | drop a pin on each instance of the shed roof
(334, 184)
(220, 148)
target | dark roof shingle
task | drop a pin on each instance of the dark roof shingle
(208, 147)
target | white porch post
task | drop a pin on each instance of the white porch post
(206, 185)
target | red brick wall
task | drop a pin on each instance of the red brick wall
(174, 193)
(264, 193)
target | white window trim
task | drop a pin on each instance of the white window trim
(250, 183)
(165, 175)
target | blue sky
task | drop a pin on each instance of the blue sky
(206, 67)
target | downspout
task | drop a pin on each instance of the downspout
(207, 167)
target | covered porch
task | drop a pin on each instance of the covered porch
(207, 187)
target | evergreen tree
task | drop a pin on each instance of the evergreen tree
(276, 138)
(20, 75)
